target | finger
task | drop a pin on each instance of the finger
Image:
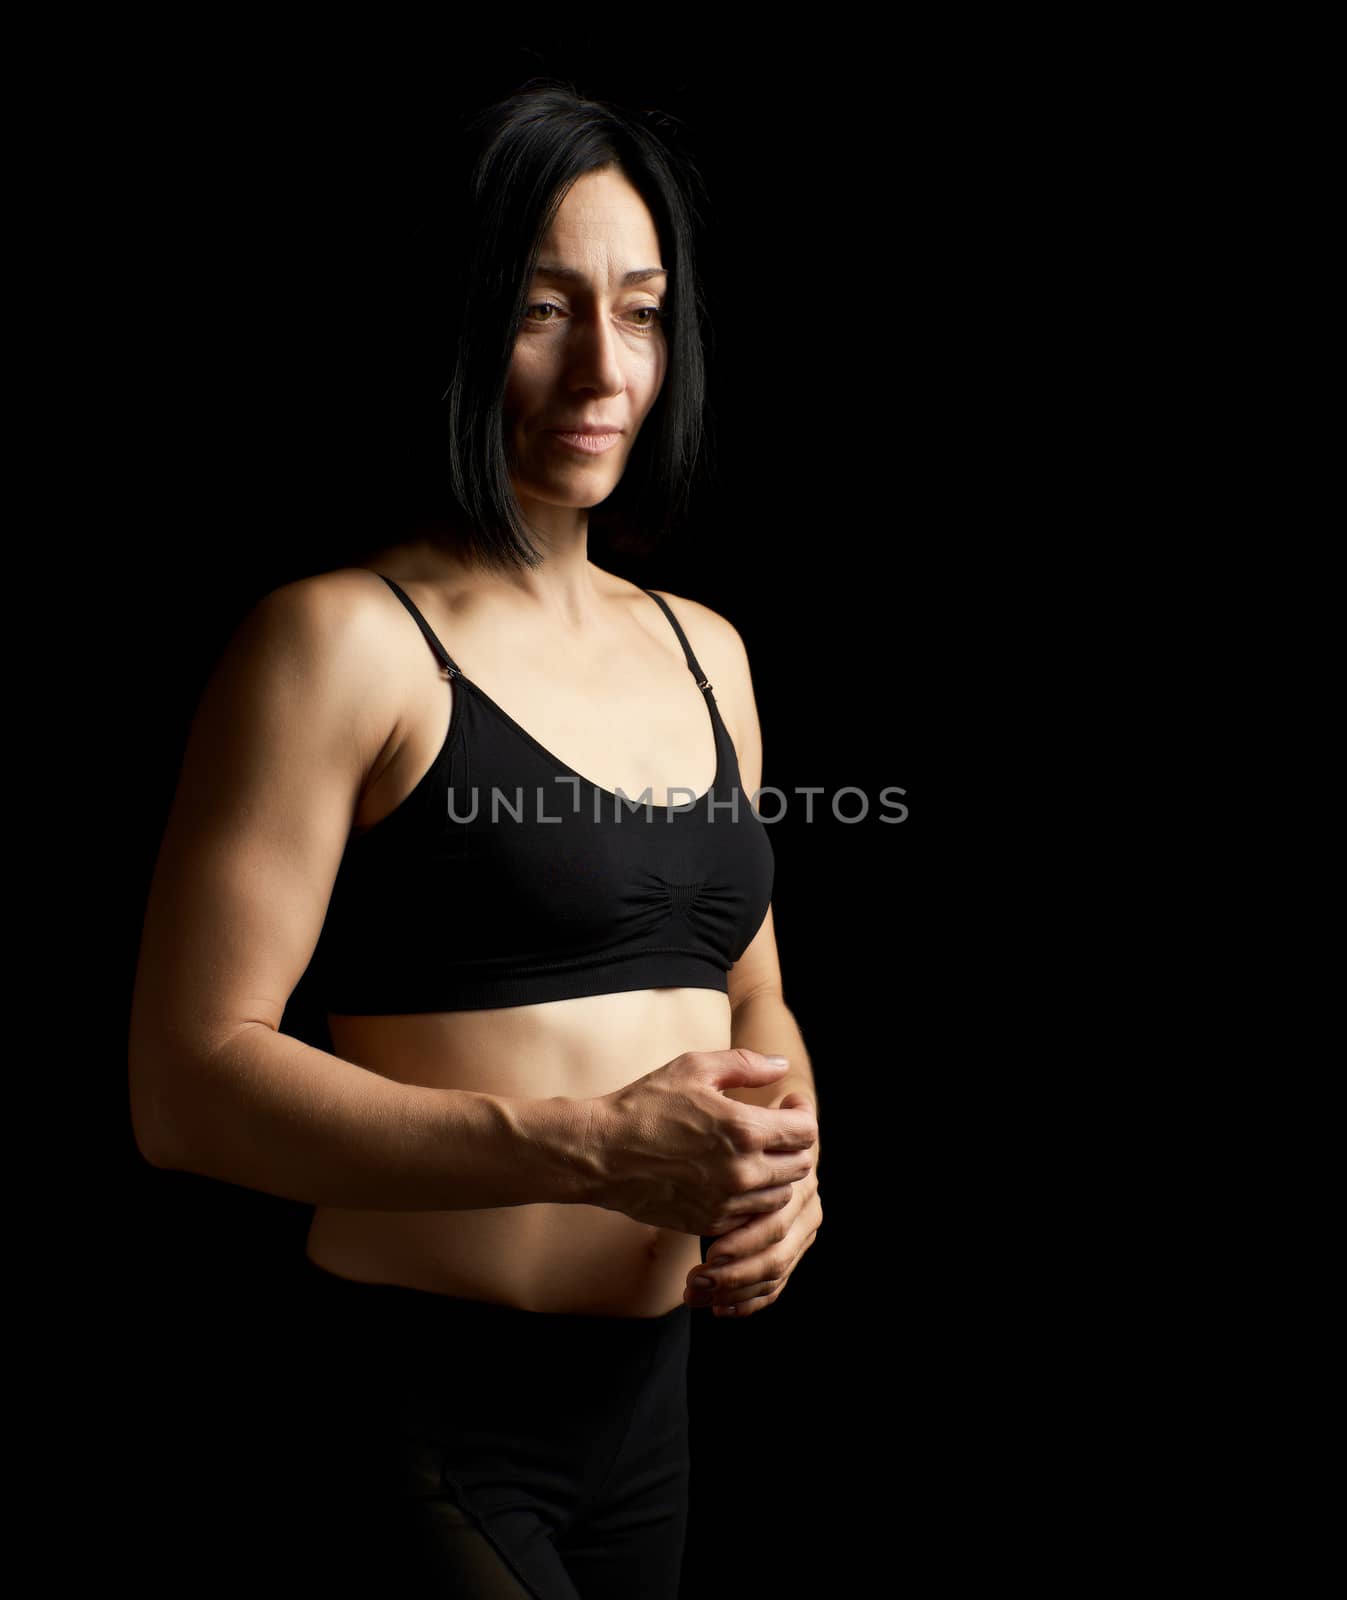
(724, 1294)
(787, 1168)
(748, 1241)
(789, 1130)
(753, 1238)
(746, 1308)
(745, 1273)
(736, 1295)
(755, 1234)
(755, 1203)
(748, 1275)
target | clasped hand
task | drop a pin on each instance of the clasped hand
(749, 1266)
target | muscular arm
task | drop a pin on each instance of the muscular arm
(299, 711)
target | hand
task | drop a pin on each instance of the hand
(673, 1150)
(751, 1265)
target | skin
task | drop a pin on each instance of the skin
(588, 664)
(590, 352)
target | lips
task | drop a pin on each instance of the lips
(587, 442)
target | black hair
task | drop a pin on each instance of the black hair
(477, 252)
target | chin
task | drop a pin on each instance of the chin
(577, 498)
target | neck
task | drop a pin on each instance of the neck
(563, 586)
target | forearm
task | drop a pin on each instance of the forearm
(269, 1112)
(765, 1023)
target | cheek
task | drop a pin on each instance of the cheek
(652, 378)
(522, 378)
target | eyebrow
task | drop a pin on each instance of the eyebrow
(552, 269)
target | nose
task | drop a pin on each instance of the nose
(594, 357)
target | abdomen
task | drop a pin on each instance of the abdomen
(567, 1258)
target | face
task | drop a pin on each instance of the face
(590, 355)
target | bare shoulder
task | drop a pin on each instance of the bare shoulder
(715, 641)
(333, 608)
(341, 627)
(721, 653)
(319, 660)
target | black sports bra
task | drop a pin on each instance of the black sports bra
(505, 878)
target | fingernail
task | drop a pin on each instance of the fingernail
(703, 1283)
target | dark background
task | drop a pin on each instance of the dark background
(247, 214)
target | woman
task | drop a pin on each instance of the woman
(551, 980)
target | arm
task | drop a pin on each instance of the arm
(761, 1020)
(298, 713)
(746, 1268)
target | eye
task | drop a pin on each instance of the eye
(646, 316)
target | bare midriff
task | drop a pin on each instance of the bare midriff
(543, 1257)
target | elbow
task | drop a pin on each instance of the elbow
(749, 995)
(151, 1121)
(173, 1104)
(149, 1134)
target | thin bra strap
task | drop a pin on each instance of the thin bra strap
(445, 659)
(682, 638)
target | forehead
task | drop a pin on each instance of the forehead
(603, 219)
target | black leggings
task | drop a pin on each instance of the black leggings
(469, 1448)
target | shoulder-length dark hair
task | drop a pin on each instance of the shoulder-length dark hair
(476, 255)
